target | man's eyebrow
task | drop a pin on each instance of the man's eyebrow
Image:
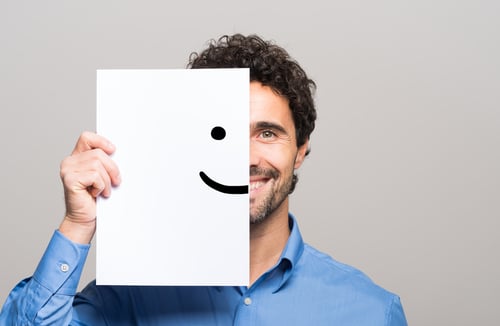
(269, 125)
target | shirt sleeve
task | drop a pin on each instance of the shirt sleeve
(46, 298)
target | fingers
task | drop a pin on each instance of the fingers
(89, 140)
(92, 170)
(97, 183)
(94, 145)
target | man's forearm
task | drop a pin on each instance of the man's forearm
(47, 297)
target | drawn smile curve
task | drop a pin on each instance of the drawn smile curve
(235, 190)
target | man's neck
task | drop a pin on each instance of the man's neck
(267, 241)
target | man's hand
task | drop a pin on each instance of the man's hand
(87, 173)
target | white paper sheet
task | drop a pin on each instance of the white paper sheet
(164, 225)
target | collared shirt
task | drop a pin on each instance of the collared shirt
(305, 287)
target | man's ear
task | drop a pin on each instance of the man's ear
(301, 155)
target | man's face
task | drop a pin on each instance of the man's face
(273, 152)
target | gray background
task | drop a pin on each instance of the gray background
(404, 176)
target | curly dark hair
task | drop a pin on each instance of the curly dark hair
(270, 65)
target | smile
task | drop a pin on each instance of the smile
(235, 190)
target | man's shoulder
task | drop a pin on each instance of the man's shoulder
(334, 275)
(315, 258)
(338, 292)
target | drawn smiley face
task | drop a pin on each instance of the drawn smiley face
(218, 133)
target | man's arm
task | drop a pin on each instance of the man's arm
(47, 297)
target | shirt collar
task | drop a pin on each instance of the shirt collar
(292, 252)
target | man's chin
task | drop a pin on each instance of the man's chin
(256, 221)
(257, 218)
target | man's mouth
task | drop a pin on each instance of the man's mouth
(254, 185)
(259, 177)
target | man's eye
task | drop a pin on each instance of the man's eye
(267, 134)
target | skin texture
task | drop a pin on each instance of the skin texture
(273, 152)
(90, 172)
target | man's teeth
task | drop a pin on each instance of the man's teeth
(256, 185)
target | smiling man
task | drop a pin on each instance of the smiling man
(291, 283)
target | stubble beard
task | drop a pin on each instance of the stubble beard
(274, 198)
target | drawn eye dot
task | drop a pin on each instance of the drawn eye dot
(218, 133)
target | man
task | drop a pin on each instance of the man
(290, 282)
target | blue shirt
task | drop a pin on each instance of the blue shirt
(305, 287)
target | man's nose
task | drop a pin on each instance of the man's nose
(255, 153)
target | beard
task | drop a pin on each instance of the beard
(276, 195)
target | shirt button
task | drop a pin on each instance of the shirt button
(64, 268)
(247, 301)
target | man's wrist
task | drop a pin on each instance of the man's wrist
(78, 232)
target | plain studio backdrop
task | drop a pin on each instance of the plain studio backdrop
(403, 180)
